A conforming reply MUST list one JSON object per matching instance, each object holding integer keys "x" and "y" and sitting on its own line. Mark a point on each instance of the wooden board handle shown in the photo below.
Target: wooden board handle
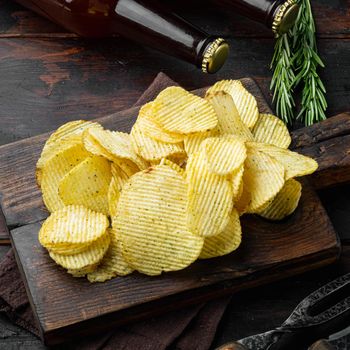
{"x": 328, "y": 143}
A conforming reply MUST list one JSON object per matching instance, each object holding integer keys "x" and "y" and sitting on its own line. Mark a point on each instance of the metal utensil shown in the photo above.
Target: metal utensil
{"x": 319, "y": 345}
{"x": 320, "y": 315}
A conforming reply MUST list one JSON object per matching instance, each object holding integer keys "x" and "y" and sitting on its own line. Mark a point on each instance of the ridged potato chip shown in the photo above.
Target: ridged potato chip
{"x": 172, "y": 165}
{"x": 294, "y": 163}
{"x": 210, "y": 198}
{"x": 243, "y": 203}
{"x": 72, "y": 229}
{"x": 113, "y": 197}
{"x": 224, "y": 155}
{"x": 86, "y": 260}
{"x": 55, "y": 169}
{"x": 119, "y": 175}
{"x": 151, "y": 149}
{"x": 225, "y": 242}
{"x": 263, "y": 178}
{"x": 192, "y": 142}
{"x": 87, "y": 184}
{"x": 237, "y": 183}
{"x": 119, "y": 178}
{"x": 180, "y": 160}
{"x": 70, "y": 132}
{"x": 272, "y": 130}
{"x": 151, "y": 221}
{"x": 69, "y": 129}
{"x": 245, "y": 102}
{"x": 229, "y": 121}
{"x": 285, "y": 202}
{"x": 51, "y": 152}
{"x": 82, "y": 272}
{"x": 128, "y": 167}
{"x": 177, "y": 110}
{"x": 113, "y": 263}
{"x": 151, "y": 129}
{"x": 115, "y": 146}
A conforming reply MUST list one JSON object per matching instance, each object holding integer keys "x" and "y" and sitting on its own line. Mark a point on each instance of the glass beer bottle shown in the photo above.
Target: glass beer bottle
{"x": 144, "y": 21}
{"x": 279, "y": 15}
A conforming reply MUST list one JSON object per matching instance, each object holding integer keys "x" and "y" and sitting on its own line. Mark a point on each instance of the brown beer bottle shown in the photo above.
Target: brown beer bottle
{"x": 279, "y": 15}
{"x": 144, "y": 21}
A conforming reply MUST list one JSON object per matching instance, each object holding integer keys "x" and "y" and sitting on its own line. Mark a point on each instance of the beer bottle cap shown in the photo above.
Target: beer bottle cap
{"x": 215, "y": 56}
{"x": 285, "y": 17}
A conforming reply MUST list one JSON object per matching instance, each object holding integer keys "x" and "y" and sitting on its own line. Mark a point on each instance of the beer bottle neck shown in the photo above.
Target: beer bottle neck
{"x": 279, "y": 15}
{"x": 149, "y": 23}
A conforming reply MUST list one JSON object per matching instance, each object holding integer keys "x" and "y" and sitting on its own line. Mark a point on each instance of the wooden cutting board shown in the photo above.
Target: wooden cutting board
{"x": 66, "y": 307}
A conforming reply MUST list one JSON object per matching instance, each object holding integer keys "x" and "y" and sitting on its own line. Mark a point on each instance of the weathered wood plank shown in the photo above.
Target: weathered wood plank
{"x": 4, "y": 232}
{"x": 335, "y": 170}
{"x": 319, "y": 132}
{"x": 331, "y": 138}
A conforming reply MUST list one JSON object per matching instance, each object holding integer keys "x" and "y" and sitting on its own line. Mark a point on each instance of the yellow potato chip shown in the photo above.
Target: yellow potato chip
{"x": 51, "y": 152}
{"x": 193, "y": 142}
{"x": 210, "y": 198}
{"x": 115, "y": 146}
{"x": 113, "y": 263}
{"x": 72, "y": 229}
{"x": 180, "y": 160}
{"x": 128, "y": 167}
{"x": 69, "y": 129}
{"x": 113, "y": 197}
{"x": 172, "y": 165}
{"x": 225, "y": 242}
{"x": 55, "y": 169}
{"x": 229, "y": 121}
{"x": 237, "y": 183}
{"x": 151, "y": 129}
{"x": 224, "y": 155}
{"x": 70, "y": 132}
{"x": 272, "y": 130}
{"x": 294, "y": 163}
{"x": 177, "y": 110}
{"x": 242, "y": 204}
{"x": 263, "y": 178}
{"x": 285, "y": 202}
{"x": 151, "y": 149}
{"x": 85, "y": 260}
{"x": 119, "y": 175}
{"x": 87, "y": 184}
{"x": 151, "y": 221}
{"x": 82, "y": 272}
{"x": 115, "y": 187}
{"x": 93, "y": 146}
{"x": 245, "y": 102}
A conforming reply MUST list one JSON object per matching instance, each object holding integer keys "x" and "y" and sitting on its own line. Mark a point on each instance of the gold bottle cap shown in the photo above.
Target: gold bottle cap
{"x": 215, "y": 56}
{"x": 285, "y": 17}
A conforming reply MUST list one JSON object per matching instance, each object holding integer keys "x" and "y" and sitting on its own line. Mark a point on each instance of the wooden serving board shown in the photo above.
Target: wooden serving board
{"x": 66, "y": 307}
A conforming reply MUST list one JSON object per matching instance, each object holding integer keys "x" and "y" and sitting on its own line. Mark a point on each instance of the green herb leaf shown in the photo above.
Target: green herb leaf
{"x": 295, "y": 63}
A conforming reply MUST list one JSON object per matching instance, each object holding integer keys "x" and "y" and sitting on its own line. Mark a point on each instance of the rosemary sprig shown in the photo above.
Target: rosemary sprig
{"x": 282, "y": 79}
{"x": 306, "y": 62}
{"x": 295, "y": 62}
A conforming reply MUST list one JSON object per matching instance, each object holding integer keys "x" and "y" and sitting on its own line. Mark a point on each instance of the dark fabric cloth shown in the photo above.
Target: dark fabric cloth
{"x": 191, "y": 328}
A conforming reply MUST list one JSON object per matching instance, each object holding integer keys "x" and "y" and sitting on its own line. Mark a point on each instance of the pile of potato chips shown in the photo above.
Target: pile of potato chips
{"x": 172, "y": 190}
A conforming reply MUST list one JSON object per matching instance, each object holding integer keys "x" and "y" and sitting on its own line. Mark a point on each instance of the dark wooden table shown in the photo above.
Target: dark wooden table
{"x": 49, "y": 76}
